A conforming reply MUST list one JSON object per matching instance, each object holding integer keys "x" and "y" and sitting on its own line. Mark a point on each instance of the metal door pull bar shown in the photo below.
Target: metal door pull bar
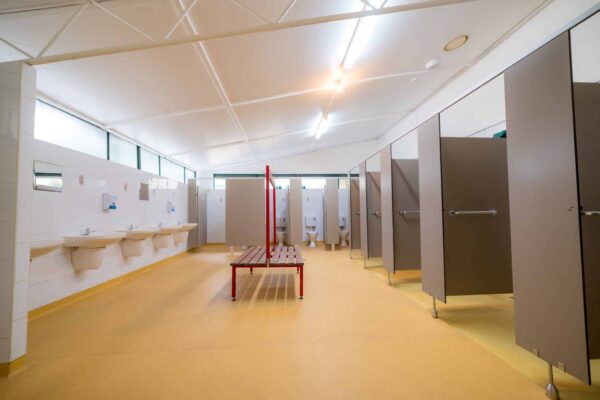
{"x": 482, "y": 212}
{"x": 376, "y": 213}
{"x": 404, "y": 212}
{"x": 591, "y": 213}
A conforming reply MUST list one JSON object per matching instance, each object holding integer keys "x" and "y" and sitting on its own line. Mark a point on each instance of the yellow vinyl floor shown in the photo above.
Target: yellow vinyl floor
{"x": 174, "y": 333}
{"x": 488, "y": 320}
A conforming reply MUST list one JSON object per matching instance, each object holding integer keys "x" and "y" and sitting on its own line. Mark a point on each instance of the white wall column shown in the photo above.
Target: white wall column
{"x": 17, "y": 112}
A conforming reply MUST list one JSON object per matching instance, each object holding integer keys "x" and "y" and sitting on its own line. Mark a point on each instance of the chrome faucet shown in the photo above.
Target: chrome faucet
{"x": 132, "y": 227}
{"x": 179, "y": 222}
{"x": 160, "y": 224}
{"x": 87, "y": 232}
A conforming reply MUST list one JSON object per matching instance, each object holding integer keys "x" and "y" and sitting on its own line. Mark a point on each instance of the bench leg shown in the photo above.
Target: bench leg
{"x": 251, "y": 270}
{"x": 301, "y": 282}
{"x": 233, "y": 283}
{"x": 297, "y": 270}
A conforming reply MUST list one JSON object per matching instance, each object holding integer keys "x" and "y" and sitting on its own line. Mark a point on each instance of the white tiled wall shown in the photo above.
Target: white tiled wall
{"x": 17, "y": 108}
{"x": 52, "y": 276}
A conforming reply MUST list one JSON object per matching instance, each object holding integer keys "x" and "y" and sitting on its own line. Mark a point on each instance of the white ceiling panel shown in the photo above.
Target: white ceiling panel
{"x": 182, "y": 133}
{"x": 212, "y": 17}
{"x": 153, "y": 17}
{"x": 289, "y": 114}
{"x": 32, "y": 30}
{"x": 384, "y": 97}
{"x": 271, "y": 10}
{"x": 281, "y": 145}
{"x": 273, "y": 63}
{"x": 95, "y": 28}
{"x": 303, "y": 9}
{"x": 7, "y": 53}
{"x": 131, "y": 85}
{"x": 337, "y": 135}
{"x": 419, "y": 36}
{"x": 218, "y": 156}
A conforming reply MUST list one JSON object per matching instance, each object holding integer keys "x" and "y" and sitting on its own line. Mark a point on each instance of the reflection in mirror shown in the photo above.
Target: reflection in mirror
{"x": 585, "y": 59}
{"x": 47, "y": 176}
{"x": 405, "y": 202}
{"x": 480, "y": 114}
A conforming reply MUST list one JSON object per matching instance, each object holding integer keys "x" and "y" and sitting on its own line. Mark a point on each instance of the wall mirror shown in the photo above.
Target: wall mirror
{"x": 47, "y": 176}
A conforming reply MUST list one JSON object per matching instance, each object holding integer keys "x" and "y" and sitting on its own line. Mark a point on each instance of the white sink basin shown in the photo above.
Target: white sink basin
{"x": 42, "y": 247}
{"x": 88, "y": 251}
{"x": 95, "y": 241}
{"x": 140, "y": 234}
{"x": 188, "y": 226}
{"x": 169, "y": 230}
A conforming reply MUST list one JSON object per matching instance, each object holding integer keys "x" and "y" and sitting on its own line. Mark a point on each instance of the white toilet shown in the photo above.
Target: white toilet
{"x": 310, "y": 223}
{"x": 344, "y": 233}
{"x": 281, "y": 230}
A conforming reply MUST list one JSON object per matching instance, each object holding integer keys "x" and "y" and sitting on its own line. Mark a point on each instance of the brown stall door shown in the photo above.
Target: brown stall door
{"x": 354, "y": 214}
{"x": 374, "y": 213}
{"x": 407, "y": 234}
{"x": 476, "y": 216}
{"x": 546, "y": 247}
{"x": 587, "y": 131}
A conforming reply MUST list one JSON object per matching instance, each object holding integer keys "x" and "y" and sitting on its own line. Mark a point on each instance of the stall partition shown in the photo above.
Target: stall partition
{"x": 354, "y": 213}
{"x": 295, "y": 222}
{"x": 332, "y": 226}
{"x": 244, "y": 212}
{"x": 553, "y": 105}
{"x": 373, "y": 209}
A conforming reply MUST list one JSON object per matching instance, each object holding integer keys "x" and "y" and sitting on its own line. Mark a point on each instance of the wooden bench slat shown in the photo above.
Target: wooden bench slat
{"x": 280, "y": 255}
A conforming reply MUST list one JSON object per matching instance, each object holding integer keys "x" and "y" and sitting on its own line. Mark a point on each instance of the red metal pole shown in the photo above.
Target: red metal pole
{"x": 233, "y": 283}
{"x": 267, "y": 195}
{"x": 274, "y": 217}
{"x": 302, "y": 281}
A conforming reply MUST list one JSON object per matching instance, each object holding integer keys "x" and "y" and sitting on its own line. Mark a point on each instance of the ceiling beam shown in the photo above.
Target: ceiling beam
{"x": 181, "y": 18}
{"x": 252, "y": 30}
{"x": 66, "y": 26}
{"x": 121, "y": 19}
{"x": 250, "y": 11}
{"x": 286, "y": 11}
{"x": 15, "y": 47}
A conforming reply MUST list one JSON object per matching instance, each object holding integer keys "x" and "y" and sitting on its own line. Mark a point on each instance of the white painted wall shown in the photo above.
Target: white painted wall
{"x": 312, "y": 205}
{"x": 52, "y": 276}
{"x": 215, "y": 218}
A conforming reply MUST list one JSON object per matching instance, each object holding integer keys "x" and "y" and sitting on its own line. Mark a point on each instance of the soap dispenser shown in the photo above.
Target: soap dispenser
{"x": 109, "y": 202}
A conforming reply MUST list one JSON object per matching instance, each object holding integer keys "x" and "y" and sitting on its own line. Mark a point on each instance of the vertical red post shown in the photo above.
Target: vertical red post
{"x": 233, "y": 283}
{"x": 267, "y": 196}
{"x": 301, "y": 281}
{"x": 274, "y": 214}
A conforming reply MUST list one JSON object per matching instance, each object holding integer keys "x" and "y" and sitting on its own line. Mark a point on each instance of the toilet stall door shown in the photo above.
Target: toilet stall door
{"x": 354, "y": 213}
{"x": 476, "y": 216}
{"x": 406, "y": 209}
{"x": 374, "y": 213}
{"x": 586, "y": 97}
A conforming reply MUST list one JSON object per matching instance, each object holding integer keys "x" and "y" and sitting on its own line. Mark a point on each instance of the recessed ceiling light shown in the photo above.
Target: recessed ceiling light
{"x": 339, "y": 85}
{"x": 323, "y": 124}
{"x": 456, "y": 42}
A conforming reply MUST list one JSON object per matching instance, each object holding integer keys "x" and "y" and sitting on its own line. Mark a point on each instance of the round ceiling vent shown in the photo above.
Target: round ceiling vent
{"x": 456, "y": 42}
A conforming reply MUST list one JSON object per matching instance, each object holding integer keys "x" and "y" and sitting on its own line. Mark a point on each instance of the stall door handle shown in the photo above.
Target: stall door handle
{"x": 405, "y": 212}
{"x": 479, "y": 212}
{"x": 376, "y": 213}
{"x": 591, "y": 213}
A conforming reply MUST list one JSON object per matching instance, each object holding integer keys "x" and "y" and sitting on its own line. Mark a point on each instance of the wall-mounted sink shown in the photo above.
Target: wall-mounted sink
{"x": 133, "y": 245}
{"x": 88, "y": 250}
{"x": 169, "y": 229}
{"x": 184, "y": 230}
{"x": 42, "y": 247}
{"x": 94, "y": 241}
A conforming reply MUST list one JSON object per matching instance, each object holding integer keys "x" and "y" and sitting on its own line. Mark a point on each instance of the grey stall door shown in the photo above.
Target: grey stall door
{"x": 476, "y": 246}
{"x": 374, "y": 213}
{"x": 587, "y": 131}
{"x": 546, "y": 248}
{"x": 432, "y": 225}
{"x": 407, "y": 233}
{"x": 354, "y": 214}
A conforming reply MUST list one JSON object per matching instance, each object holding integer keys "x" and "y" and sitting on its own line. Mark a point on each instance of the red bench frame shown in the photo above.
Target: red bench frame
{"x": 270, "y": 255}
